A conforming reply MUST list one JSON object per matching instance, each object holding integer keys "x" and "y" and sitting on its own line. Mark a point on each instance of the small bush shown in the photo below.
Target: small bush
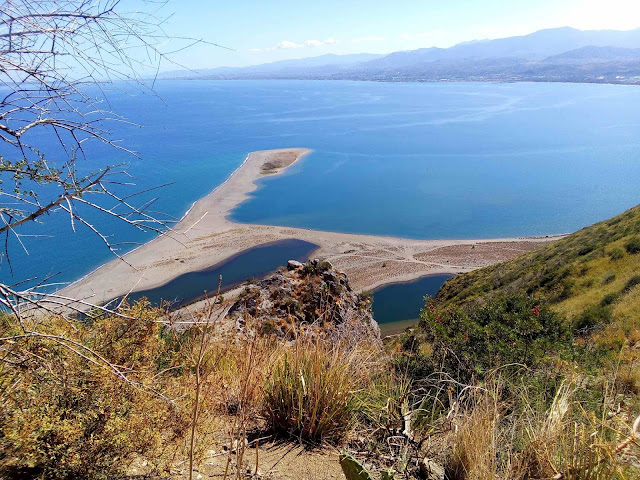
{"x": 267, "y": 327}
{"x": 365, "y": 296}
{"x": 311, "y": 393}
{"x": 608, "y": 278}
{"x": 316, "y": 267}
{"x": 633, "y": 281}
{"x": 506, "y": 330}
{"x": 633, "y": 245}
{"x": 69, "y": 418}
{"x": 585, "y": 250}
{"x": 566, "y": 289}
{"x": 593, "y": 317}
{"x": 616, "y": 254}
{"x": 324, "y": 265}
{"x": 609, "y": 298}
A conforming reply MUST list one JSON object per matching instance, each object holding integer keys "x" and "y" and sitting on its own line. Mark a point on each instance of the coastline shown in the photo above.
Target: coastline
{"x": 205, "y": 236}
{"x": 182, "y": 218}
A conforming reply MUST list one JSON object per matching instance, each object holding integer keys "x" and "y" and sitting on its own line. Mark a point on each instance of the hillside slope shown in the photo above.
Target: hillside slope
{"x": 593, "y": 272}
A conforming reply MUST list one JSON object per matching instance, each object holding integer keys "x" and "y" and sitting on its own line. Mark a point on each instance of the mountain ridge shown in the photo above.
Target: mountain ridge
{"x": 559, "y": 54}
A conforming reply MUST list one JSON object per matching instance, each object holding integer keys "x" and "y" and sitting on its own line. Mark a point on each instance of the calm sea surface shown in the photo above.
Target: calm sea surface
{"x": 412, "y": 160}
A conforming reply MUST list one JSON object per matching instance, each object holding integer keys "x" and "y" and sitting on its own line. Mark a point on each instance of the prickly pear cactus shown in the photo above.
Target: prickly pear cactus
{"x": 352, "y": 469}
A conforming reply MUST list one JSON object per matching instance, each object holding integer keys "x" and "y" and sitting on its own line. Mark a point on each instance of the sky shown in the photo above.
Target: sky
{"x": 261, "y": 31}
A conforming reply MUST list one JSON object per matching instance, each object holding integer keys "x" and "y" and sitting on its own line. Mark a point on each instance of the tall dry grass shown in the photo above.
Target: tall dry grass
{"x": 498, "y": 438}
{"x": 314, "y": 389}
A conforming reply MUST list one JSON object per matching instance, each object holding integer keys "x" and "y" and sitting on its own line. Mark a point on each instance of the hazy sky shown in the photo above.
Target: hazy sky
{"x": 263, "y": 31}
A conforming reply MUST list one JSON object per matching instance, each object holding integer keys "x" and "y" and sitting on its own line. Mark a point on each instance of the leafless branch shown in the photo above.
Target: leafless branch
{"x": 57, "y": 58}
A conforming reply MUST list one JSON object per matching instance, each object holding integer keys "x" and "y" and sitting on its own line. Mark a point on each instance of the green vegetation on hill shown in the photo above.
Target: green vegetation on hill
{"x": 555, "y": 331}
{"x": 587, "y": 283}
{"x": 590, "y": 277}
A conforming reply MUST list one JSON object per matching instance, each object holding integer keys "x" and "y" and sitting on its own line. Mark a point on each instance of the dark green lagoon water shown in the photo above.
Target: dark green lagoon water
{"x": 255, "y": 262}
{"x": 397, "y": 306}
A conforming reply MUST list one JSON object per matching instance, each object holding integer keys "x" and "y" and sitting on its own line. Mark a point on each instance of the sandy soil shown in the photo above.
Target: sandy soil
{"x": 205, "y": 237}
{"x": 276, "y": 461}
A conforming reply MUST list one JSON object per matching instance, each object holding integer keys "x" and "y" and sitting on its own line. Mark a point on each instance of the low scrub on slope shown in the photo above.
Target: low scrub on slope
{"x": 591, "y": 278}
{"x": 495, "y": 387}
{"x": 595, "y": 265}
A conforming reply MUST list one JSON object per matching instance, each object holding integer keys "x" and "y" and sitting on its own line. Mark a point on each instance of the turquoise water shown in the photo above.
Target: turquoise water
{"x": 255, "y": 262}
{"x": 412, "y": 160}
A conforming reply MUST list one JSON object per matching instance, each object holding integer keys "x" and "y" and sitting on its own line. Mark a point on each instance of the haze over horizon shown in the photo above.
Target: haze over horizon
{"x": 290, "y": 30}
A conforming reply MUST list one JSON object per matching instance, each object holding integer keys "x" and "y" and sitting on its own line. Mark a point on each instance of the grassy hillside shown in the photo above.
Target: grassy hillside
{"x": 590, "y": 277}
{"x": 565, "y": 317}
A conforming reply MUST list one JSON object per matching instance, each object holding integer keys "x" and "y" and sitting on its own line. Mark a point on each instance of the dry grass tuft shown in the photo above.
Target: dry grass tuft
{"x": 496, "y": 439}
{"x": 476, "y": 443}
{"x": 313, "y": 390}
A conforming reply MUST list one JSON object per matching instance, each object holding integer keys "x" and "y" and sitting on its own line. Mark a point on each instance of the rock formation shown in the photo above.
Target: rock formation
{"x": 311, "y": 298}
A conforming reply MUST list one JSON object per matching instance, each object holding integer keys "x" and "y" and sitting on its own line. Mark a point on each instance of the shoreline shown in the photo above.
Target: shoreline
{"x": 184, "y": 215}
{"x": 205, "y": 236}
{"x": 404, "y": 282}
{"x": 496, "y": 82}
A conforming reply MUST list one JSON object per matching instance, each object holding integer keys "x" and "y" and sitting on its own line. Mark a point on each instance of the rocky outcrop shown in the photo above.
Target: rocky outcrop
{"x": 311, "y": 298}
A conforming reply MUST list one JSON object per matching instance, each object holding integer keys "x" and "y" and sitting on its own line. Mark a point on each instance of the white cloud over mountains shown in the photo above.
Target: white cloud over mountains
{"x": 288, "y": 44}
{"x": 369, "y": 38}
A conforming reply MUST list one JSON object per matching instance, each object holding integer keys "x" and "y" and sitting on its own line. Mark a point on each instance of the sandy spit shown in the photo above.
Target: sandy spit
{"x": 205, "y": 237}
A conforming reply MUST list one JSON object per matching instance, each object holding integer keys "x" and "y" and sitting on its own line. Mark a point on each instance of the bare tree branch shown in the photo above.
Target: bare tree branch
{"x": 56, "y": 59}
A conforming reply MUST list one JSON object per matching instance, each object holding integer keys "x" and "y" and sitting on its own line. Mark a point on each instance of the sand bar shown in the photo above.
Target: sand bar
{"x": 205, "y": 237}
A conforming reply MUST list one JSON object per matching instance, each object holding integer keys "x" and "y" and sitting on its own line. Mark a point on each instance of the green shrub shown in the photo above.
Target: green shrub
{"x": 566, "y": 289}
{"x": 267, "y": 327}
{"x": 324, "y": 265}
{"x": 593, "y": 317}
{"x": 504, "y": 331}
{"x": 316, "y": 267}
{"x": 68, "y": 417}
{"x": 616, "y": 254}
{"x": 609, "y": 298}
{"x": 632, "y": 282}
{"x": 608, "y": 278}
{"x": 366, "y": 296}
{"x": 585, "y": 250}
{"x": 633, "y": 245}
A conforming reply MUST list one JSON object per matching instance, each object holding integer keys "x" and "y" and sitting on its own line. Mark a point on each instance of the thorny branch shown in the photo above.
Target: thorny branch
{"x": 58, "y": 61}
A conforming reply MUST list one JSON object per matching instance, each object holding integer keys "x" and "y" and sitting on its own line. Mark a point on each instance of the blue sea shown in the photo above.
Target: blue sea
{"x": 418, "y": 160}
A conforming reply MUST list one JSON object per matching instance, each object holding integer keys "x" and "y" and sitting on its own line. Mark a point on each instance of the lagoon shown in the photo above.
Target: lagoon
{"x": 398, "y": 305}
{"x": 255, "y": 262}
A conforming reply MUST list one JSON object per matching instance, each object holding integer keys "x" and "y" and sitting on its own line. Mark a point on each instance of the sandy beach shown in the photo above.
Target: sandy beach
{"x": 205, "y": 237}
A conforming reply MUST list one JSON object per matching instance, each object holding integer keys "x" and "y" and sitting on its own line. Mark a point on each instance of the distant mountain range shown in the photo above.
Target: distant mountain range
{"x": 553, "y": 55}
